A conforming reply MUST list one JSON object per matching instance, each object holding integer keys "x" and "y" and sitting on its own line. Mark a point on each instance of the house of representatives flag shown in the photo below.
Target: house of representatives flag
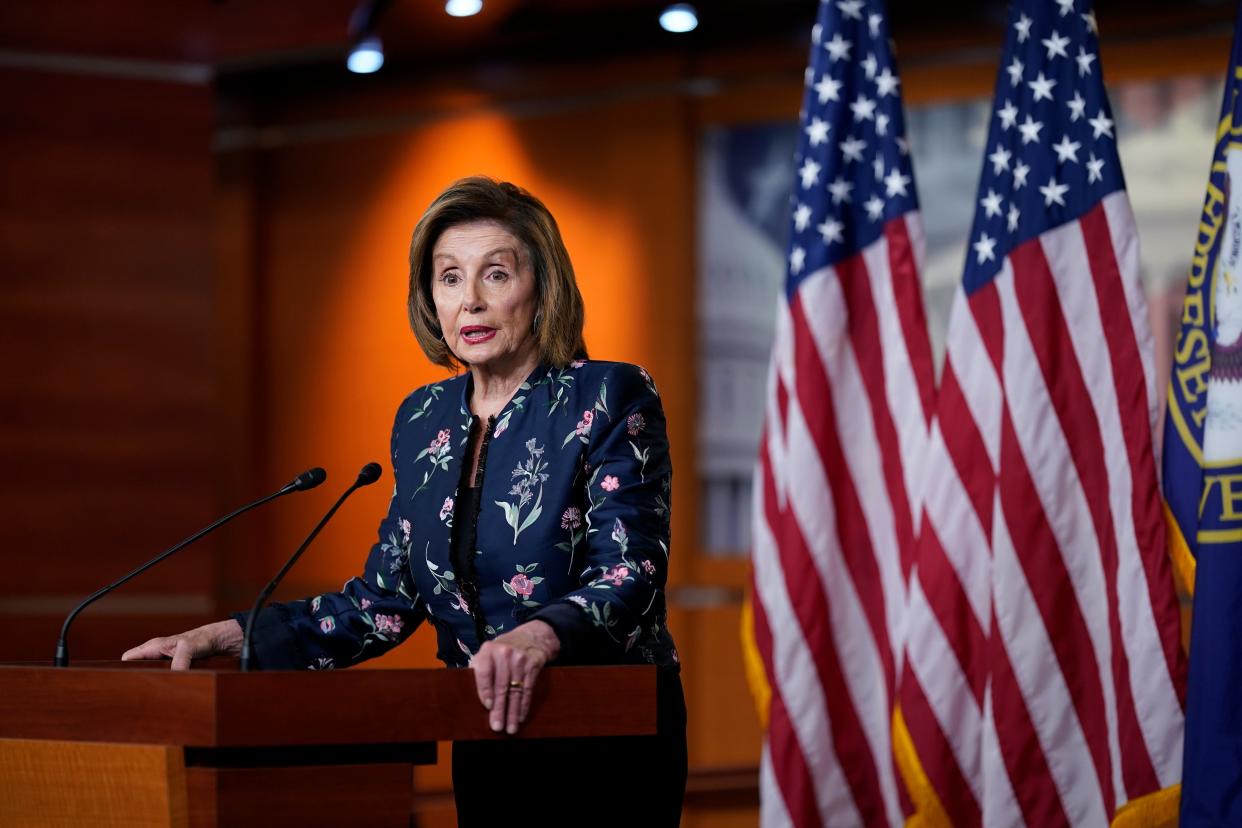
{"x": 849, "y": 398}
{"x": 1043, "y": 676}
{"x": 1203, "y": 479}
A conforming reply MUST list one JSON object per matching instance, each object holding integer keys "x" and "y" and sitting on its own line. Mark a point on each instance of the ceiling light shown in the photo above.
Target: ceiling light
{"x": 463, "y": 8}
{"x": 367, "y": 56}
{"x": 679, "y": 18}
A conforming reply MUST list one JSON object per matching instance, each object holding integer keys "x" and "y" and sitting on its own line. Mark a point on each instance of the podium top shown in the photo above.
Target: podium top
{"x": 222, "y": 707}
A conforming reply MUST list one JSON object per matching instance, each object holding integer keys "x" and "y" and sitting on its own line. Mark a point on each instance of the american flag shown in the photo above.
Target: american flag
{"x": 850, "y": 394}
{"x": 1043, "y": 674}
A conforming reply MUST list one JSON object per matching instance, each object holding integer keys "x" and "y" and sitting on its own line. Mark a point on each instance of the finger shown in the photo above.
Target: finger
{"x": 182, "y": 655}
{"x": 153, "y": 649}
{"x": 500, "y": 689}
{"x": 519, "y": 668}
{"x": 481, "y": 663}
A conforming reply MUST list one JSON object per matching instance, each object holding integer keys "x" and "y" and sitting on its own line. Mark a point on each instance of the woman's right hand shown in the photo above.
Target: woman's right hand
{"x": 220, "y": 638}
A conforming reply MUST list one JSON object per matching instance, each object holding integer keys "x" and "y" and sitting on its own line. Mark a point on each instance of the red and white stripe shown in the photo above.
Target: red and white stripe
{"x": 836, "y": 510}
{"x": 1042, "y": 669}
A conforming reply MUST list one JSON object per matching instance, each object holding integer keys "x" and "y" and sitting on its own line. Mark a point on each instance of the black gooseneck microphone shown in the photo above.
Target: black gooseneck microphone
{"x": 306, "y": 480}
{"x": 369, "y": 474}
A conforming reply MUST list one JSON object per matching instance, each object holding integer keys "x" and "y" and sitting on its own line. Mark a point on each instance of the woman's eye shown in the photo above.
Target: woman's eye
{"x": 449, "y": 278}
{"x": 498, "y": 275}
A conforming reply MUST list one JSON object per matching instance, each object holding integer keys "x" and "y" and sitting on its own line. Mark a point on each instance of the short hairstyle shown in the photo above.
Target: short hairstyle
{"x": 558, "y": 302}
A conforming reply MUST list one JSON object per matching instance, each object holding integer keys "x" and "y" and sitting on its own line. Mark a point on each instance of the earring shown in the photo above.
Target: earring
{"x": 534, "y": 327}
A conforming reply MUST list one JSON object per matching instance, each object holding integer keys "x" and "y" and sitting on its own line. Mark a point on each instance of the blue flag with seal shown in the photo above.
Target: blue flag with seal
{"x": 1203, "y": 479}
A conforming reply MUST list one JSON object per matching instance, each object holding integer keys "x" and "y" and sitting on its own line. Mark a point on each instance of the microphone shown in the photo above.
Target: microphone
{"x": 369, "y": 474}
{"x": 306, "y": 480}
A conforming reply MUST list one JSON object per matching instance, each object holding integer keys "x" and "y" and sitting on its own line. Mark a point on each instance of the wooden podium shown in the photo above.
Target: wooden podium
{"x": 113, "y": 744}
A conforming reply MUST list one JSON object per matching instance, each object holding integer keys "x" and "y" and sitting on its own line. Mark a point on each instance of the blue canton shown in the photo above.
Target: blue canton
{"x": 853, "y": 161}
{"x": 1051, "y": 149}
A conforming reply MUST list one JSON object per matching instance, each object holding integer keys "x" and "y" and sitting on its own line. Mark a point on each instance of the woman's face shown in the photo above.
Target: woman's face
{"x": 483, "y": 286}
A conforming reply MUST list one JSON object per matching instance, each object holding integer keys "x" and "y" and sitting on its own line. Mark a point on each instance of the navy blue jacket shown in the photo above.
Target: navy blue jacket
{"x": 573, "y": 529}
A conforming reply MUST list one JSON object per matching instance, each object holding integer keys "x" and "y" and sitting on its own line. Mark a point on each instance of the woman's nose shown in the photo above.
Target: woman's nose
{"x": 472, "y": 297}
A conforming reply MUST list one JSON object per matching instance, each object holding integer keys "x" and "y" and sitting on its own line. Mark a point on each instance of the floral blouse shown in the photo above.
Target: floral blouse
{"x": 572, "y": 529}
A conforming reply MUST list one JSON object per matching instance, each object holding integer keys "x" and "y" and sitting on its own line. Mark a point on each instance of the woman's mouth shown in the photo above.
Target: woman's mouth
{"x": 474, "y": 334}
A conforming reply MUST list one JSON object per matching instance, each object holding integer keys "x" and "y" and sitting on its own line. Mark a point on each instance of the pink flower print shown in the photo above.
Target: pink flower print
{"x": 388, "y": 623}
{"x": 577, "y": 363}
{"x": 315, "y": 603}
{"x": 648, "y": 567}
{"x": 447, "y": 509}
{"x": 441, "y": 440}
{"x": 572, "y": 518}
{"x": 634, "y": 424}
{"x": 522, "y": 585}
{"x": 584, "y": 425}
{"x": 610, "y": 484}
{"x": 405, "y": 530}
{"x": 617, "y": 575}
{"x": 366, "y": 602}
{"x": 462, "y": 605}
{"x": 327, "y": 625}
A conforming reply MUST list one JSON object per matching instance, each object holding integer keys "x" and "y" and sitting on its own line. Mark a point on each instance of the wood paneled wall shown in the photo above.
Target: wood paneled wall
{"x": 108, "y": 381}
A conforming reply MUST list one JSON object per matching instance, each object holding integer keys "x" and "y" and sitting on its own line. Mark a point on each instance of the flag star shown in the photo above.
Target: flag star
{"x": 1042, "y": 87}
{"x": 873, "y": 23}
{"x": 1008, "y": 115}
{"x": 817, "y": 32}
{"x": 1023, "y": 27}
{"x": 877, "y": 166}
{"x": 1066, "y": 149}
{"x": 869, "y": 65}
{"x": 881, "y": 124}
{"x": 895, "y": 183}
{"x": 1089, "y": 19}
{"x": 802, "y": 217}
{"x": 852, "y": 148}
{"x": 797, "y": 258}
{"x": 984, "y": 249}
{"x": 838, "y": 48}
{"x": 828, "y": 89}
{"x": 1101, "y": 125}
{"x": 1077, "y": 107}
{"x": 1013, "y": 217}
{"x": 817, "y": 131}
{"x": 886, "y": 83}
{"x": 1000, "y": 159}
{"x": 1067, "y": 6}
{"x": 830, "y": 230}
{"x": 1054, "y": 192}
{"x": 1055, "y": 45}
{"x": 809, "y": 172}
{"x": 1095, "y": 168}
{"x": 1085, "y": 59}
{"x": 874, "y": 207}
{"x": 1015, "y": 72}
{"x": 863, "y": 108}
{"x": 991, "y": 203}
{"x": 903, "y": 145}
{"x": 840, "y": 190}
{"x": 1030, "y": 130}
{"x": 1020, "y": 171}
{"x": 851, "y": 8}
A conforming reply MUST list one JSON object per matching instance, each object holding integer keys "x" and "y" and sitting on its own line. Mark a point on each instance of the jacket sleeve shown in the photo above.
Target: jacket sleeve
{"x": 628, "y": 485}
{"x": 370, "y": 615}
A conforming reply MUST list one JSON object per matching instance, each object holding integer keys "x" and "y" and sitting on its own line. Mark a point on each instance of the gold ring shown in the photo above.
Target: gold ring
{"x": 515, "y": 685}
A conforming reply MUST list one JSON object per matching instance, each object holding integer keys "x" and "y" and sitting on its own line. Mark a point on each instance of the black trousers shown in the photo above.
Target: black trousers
{"x": 605, "y": 781}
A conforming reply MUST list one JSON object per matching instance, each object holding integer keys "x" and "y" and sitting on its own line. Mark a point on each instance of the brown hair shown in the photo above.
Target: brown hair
{"x": 558, "y": 303}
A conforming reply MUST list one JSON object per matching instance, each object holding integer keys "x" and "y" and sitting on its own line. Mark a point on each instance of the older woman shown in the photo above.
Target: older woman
{"x": 529, "y": 523}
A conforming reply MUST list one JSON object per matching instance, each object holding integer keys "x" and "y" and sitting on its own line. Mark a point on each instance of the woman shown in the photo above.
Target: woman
{"x": 529, "y": 523}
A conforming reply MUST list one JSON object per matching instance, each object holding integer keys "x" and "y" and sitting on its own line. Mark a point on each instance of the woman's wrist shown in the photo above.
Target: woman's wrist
{"x": 544, "y": 637}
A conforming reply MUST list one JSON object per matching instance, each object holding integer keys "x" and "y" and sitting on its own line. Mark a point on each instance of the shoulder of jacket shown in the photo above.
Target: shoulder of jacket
{"x": 430, "y": 398}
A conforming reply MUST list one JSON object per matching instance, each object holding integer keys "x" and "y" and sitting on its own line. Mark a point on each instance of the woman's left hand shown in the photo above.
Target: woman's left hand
{"x": 505, "y": 670}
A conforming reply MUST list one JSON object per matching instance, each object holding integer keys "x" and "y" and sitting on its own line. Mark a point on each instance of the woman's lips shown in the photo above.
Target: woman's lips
{"x": 474, "y": 334}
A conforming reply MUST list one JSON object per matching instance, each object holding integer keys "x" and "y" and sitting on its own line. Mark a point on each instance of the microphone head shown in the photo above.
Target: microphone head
{"x": 369, "y": 474}
{"x": 309, "y": 479}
